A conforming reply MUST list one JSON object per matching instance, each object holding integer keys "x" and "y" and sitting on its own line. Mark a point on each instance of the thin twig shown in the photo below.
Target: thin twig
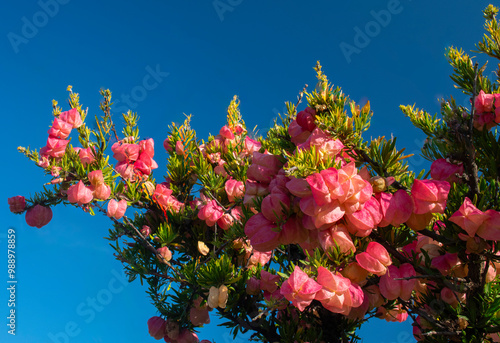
{"x": 148, "y": 245}
{"x": 144, "y": 242}
{"x": 150, "y": 272}
{"x": 442, "y": 333}
{"x": 431, "y": 277}
{"x": 432, "y": 234}
{"x": 421, "y": 312}
{"x": 269, "y": 335}
{"x": 301, "y": 94}
{"x": 470, "y": 153}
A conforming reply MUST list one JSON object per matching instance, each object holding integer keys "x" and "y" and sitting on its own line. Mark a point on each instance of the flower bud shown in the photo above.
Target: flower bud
{"x": 38, "y": 216}
{"x": 391, "y": 288}
{"x": 202, "y": 248}
{"x": 167, "y": 146}
{"x": 293, "y": 232}
{"x": 146, "y": 231}
{"x": 264, "y": 167}
{"x": 96, "y": 178}
{"x": 17, "y": 204}
{"x": 79, "y": 194}
{"x": 102, "y": 192}
{"x": 225, "y": 221}
{"x": 297, "y": 133}
{"x": 179, "y": 148}
{"x": 164, "y": 254}
{"x": 210, "y": 213}
{"x": 268, "y": 281}
{"x": 336, "y": 236}
{"x": 306, "y": 119}
{"x": 376, "y": 259}
{"x": 226, "y": 132}
{"x": 475, "y": 245}
{"x": 86, "y": 156}
{"x": 186, "y": 336}
{"x": 116, "y": 209}
{"x": 235, "y": 189}
{"x": 355, "y": 272}
{"x": 275, "y": 206}
{"x": 156, "y": 327}
{"x": 299, "y": 187}
{"x": 419, "y": 222}
{"x": 60, "y": 129}
{"x": 55, "y": 147}
{"x": 253, "y": 286}
{"x": 198, "y": 315}
{"x": 251, "y": 145}
{"x": 451, "y": 297}
{"x": 72, "y": 117}
{"x": 263, "y": 234}
{"x": 223, "y": 295}
{"x": 213, "y": 297}
{"x": 172, "y": 329}
{"x": 429, "y": 196}
{"x": 378, "y": 183}
{"x": 443, "y": 170}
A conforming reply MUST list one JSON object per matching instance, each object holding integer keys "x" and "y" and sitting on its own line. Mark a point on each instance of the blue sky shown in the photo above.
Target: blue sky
{"x": 173, "y": 57}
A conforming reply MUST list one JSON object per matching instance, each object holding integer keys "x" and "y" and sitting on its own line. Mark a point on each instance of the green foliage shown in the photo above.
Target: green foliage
{"x": 490, "y": 44}
{"x": 424, "y": 121}
{"x": 278, "y": 140}
{"x": 464, "y": 73}
{"x": 217, "y": 272}
{"x": 488, "y": 154}
{"x": 131, "y": 130}
{"x": 166, "y": 233}
{"x": 388, "y": 160}
{"x": 233, "y": 114}
{"x": 306, "y": 162}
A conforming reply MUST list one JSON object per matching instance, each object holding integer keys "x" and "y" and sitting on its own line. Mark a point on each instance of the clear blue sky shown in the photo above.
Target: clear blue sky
{"x": 198, "y": 58}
